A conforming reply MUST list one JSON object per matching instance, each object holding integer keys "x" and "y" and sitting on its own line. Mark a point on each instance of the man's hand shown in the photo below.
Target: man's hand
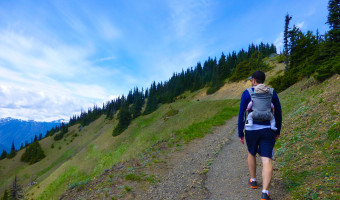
{"x": 242, "y": 140}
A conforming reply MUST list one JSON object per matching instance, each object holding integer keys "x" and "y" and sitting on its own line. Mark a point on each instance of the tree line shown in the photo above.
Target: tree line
{"x": 211, "y": 74}
{"x": 311, "y": 53}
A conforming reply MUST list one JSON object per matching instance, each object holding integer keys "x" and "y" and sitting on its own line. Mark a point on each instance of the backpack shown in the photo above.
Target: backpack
{"x": 261, "y": 105}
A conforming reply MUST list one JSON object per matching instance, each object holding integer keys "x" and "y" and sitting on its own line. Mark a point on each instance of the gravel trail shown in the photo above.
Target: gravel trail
{"x": 228, "y": 175}
{"x": 213, "y": 167}
{"x": 188, "y": 167}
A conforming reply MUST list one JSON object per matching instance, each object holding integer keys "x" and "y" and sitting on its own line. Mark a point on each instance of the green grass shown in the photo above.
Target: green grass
{"x": 133, "y": 177}
{"x": 65, "y": 156}
{"x": 44, "y": 171}
{"x": 334, "y": 132}
{"x": 188, "y": 120}
{"x": 60, "y": 184}
{"x": 307, "y": 152}
{"x": 198, "y": 130}
{"x": 79, "y": 184}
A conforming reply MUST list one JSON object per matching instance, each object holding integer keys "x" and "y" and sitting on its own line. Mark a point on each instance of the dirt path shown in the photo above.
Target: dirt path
{"x": 187, "y": 168}
{"x": 213, "y": 167}
{"x": 228, "y": 175}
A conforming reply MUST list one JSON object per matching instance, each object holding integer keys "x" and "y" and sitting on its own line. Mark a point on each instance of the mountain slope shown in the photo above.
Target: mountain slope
{"x": 308, "y": 152}
{"x": 78, "y": 161}
{"x": 306, "y": 158}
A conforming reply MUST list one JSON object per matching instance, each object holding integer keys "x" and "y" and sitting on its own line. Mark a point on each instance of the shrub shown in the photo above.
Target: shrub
{"x": 280, "y": 58}
{"x": 213, "y": 89}
{"x": 334, "y": 132}
{"x": 133, "y": 177}
{"x": 328, "y": 68}
{"x": 170, "y": 113}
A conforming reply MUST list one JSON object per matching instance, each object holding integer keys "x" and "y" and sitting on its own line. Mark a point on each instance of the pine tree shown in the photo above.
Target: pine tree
{"x": 124, "y": 120}
{"x": 285, "y": 39}
{"x": 152, "y": 104}
{"x": 16, "y": 190}
{"x": 40, "y": 136}
{"x": 13, "y": 152}
{"x": 34, "y": 153}
{"x": 3, "y": 155}
{"x": 334, "y": 20}
{"x": 137, "y": 103}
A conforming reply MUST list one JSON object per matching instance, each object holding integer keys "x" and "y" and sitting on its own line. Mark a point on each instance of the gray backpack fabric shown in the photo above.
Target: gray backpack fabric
{"x": 261, "y": 105}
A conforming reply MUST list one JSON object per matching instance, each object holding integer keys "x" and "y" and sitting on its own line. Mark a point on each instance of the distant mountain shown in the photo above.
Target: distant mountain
{"x": 20, "y": 130}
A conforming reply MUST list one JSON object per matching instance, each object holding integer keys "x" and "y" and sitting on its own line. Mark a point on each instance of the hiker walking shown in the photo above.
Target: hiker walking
{"x": 260, "y": 135}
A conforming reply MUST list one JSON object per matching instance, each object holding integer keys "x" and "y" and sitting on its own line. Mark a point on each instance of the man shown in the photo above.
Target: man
{"x": 259, "y": 137}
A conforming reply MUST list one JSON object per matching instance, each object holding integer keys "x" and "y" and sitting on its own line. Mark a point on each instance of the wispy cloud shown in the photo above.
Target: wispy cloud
{"x": 37, "y": 78}
{"x": 108, "y": 58}
{"x": 300, "y": 25}
{"x": 187, "y": 17}
{"x": 279, "y": 43}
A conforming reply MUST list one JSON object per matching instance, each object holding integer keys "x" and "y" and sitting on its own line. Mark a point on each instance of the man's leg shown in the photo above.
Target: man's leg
{"x": 252, "y": 165}
{"x": 267, "y": 172}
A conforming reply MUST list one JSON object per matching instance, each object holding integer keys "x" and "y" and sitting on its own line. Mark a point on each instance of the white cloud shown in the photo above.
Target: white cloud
{"x": 44, "y": 82}
{"x": 25, "y": 103}
{"x": 279, "y": 43}
{"x": 45, "y": 102}
{"x": 300, "y": 25}
{"x": 28, "y": 54}
{"x": 108, "y": 58}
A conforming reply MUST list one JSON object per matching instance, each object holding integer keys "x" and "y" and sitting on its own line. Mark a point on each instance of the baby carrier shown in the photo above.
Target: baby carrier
{"x": 261, "y": 105}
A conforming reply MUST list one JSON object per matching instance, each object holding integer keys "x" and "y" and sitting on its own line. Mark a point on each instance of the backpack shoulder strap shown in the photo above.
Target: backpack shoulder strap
{"x": 250, "y": 90}
{"x": 271, "y": 91}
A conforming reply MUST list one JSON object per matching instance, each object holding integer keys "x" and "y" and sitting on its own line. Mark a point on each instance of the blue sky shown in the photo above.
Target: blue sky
{"x": 58, "y": 57}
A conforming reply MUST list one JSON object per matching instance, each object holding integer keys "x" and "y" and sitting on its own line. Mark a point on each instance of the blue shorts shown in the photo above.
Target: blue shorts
{"x": 261, "y": 141}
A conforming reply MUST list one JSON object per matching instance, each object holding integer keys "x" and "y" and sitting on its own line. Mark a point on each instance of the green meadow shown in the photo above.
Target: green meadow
{"x": 86, "y": 152}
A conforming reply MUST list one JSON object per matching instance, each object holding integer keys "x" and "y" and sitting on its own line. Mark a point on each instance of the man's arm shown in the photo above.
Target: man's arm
{"x": 245, "y": 99}
{"x": 277, "y": 113}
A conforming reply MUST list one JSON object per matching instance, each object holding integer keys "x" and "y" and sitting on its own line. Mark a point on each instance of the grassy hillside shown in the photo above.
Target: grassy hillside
{"x": 105, "y": 151}
{"x": 57, "y": 152}
{"x": 86, "y": 153}
{"x": 308, "y": 151}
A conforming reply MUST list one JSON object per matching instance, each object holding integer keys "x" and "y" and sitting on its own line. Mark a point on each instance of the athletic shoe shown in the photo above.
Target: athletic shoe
{"x": 253, "y": 184}
{"x": 265, "y": 196}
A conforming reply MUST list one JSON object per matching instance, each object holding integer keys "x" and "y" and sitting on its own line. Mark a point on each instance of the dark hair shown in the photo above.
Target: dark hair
{"x": 259, "y": 76}
{"x": 258, "y": 81}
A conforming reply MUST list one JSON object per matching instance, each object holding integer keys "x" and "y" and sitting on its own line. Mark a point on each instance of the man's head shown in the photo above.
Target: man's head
{"x": 257, "y": 77}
